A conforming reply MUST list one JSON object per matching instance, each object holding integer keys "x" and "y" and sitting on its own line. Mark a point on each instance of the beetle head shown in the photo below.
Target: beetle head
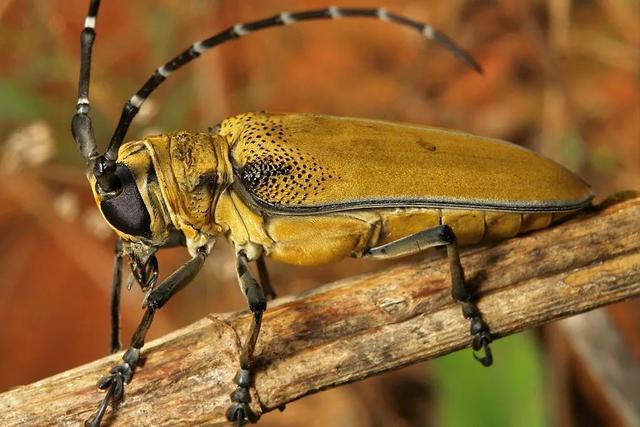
{"x": 135, "y": 210}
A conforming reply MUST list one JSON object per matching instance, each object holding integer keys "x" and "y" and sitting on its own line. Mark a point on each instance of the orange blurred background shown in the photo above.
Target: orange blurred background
{"x": 560, "y": 77}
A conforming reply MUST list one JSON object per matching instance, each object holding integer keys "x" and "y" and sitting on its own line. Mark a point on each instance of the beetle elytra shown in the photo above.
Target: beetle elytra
{"x": 303, "y": 189}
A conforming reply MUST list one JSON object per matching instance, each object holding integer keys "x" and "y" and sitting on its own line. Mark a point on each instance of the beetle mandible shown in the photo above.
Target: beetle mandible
{"x": 290, "y": 186}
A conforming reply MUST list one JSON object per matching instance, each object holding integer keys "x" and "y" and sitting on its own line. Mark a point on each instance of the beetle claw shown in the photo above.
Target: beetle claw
{"x": 241, "y": 414}
{"x": 239, "y": 411}
{"x": 480, "y": 332}
{"x": 114, "y": 384}
{"x": 483, "y": 353}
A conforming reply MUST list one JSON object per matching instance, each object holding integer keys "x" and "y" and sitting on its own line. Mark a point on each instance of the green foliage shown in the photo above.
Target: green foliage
{"x": 510, "y": 393}
{"x": 19, "y": 103}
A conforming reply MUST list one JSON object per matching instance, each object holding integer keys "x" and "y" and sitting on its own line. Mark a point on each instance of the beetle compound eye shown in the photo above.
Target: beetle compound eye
{"x": 126, "y": 211}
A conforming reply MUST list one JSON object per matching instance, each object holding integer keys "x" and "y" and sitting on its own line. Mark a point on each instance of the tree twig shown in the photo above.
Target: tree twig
{"x": 356, "y": 328}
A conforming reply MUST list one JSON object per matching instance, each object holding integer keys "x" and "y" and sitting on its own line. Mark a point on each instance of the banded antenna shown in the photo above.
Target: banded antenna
{"x": 103, "y": 166}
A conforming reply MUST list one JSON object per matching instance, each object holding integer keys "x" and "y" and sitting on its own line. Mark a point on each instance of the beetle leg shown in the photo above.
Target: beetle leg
{"x": 239, "y": 410}
{"x": 443, "y": 235}
{"x": 121, "y": 374}
{"x": 116, "y": 287}
{"x": 263, "y": 274}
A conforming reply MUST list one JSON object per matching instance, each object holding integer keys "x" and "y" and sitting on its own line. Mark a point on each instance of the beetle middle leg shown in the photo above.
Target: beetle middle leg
{"x": 239, "y": 410}
{"x": 264, "y": 279}
{"x": 443, "y": 235}
{"x": 121, "y": 374}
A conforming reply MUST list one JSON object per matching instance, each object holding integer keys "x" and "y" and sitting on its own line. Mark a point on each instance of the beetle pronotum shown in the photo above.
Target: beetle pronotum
{"x": 280, "y": 185}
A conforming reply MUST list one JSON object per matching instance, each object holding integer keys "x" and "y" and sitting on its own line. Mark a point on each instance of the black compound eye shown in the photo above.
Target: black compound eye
{"x": 126, "y": 211}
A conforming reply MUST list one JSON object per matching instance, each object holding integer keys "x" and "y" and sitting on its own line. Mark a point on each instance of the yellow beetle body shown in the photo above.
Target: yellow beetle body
{"x": 308, "y": 189}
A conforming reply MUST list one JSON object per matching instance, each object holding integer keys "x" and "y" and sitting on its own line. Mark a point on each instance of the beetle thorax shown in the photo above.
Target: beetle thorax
{"x": 192, "y": 170}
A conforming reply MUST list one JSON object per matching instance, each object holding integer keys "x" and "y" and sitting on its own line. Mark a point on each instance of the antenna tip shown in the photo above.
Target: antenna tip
{"x": 477, "y": 67}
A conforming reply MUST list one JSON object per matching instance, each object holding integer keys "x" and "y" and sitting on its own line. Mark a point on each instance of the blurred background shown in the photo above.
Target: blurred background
{"x": 561, "y": 77}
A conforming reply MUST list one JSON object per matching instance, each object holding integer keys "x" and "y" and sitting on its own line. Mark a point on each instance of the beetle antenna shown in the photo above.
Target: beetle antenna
{"x": 132, "y": 106}
{"x": 81, "y": 127}
{"x": 103, "y": 168}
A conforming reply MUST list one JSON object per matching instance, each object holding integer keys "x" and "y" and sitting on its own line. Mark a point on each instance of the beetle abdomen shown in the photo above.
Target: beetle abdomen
{"x": 319, "y": 239}
{"x": 297, "y": 163}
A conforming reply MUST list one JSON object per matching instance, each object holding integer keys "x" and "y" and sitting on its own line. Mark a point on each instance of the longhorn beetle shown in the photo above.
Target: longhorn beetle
{"x": 303, "y": 189}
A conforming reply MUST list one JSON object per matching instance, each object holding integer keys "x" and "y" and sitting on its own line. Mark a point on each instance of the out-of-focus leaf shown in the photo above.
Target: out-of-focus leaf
{"x": 509, "y": 393}
{"x": 19, "y": 103}
{"x": 573, "y": 155}
{"x": 604, "y": 160}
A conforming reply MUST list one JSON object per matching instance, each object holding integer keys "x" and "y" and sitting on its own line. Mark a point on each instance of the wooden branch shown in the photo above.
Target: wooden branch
{"x": 356, "y": 328}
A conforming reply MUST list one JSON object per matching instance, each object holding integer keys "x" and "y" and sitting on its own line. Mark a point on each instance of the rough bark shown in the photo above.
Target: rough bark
{"x": 356, "y": 328}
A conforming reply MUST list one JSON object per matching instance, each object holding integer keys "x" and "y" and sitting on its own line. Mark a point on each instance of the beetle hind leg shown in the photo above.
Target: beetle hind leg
{"x": 443, "y": 235}
{"x": 240, "y": 411}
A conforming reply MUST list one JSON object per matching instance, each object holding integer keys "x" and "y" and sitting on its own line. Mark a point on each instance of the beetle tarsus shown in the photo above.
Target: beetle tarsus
{"x": 114, "y": 384}
{"x": 480, "y": 332}
{"x": 239, "y": 410}
{"x": 115, "y": 392}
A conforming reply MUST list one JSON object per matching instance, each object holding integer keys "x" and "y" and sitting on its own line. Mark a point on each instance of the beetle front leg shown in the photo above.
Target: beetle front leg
{"x": 116, "y": 287}
{"x": 239, "y": 410}
{"x": 443, "y": 235}
{"x": 121, "y": 374}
